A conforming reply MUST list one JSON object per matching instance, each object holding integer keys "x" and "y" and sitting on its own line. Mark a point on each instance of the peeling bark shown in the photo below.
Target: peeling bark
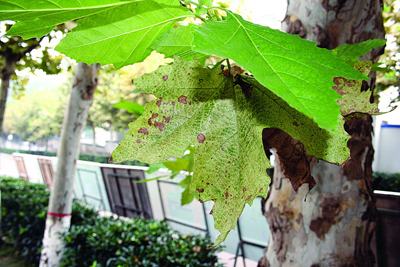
{"x": 60, "y": 205}
{"x": 331, "y": 225}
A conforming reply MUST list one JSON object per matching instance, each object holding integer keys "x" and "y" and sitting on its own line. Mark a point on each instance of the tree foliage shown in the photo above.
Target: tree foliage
{"x": 390, "y": 74}
{"x": 286, "y": 84}
{"x": 36, "y": 116}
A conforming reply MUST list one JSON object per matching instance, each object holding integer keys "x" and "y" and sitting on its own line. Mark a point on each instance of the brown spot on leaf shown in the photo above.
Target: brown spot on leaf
{"x": 200, "y": 200}
{"x": 189, "y": 73}
{"x": 229, "y": 161}
{"x": 182, "y": 99}
{"x": 173, "y": 103}
{"x": 223, "y": 149}
{"x": 261, "y": 189}
{"x": 165, "y": 77}
{"x": 190, "y": 102}
{"x": 211, "y": 212}
{"x": 248, "y": 197}
{"x": 154, "y": 115}
{"x": 201, "y": 138}
{"x": 159, "y": 125}
{"x": 200, "y": 190}
{"x": 158, "y": 103}
{"x": 244, "y": 189}
{"x": 226, "y": 194}
{"x": 150, "y": 122}
{"x": 295, "y": 123}
{"x": 166, "y": 119}
{"x": 292, "y": 155}
{"x": 143, "y": 131}
{"x": 138, "y": 141}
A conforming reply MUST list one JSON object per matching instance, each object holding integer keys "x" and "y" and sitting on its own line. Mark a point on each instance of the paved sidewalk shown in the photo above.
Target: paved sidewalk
{"x": 228, "y": 260}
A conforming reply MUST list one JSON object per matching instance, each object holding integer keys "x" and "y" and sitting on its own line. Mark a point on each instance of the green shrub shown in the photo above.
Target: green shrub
{"x": 386, "y": 181}
{"x": 24, "y": 207}
{"x": 113, "y": 242}
{"x": 86, "y": 157}
{"x": 91, "y": 238}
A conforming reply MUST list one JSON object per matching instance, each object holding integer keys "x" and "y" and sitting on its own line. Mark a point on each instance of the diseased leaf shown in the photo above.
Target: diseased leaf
{"x": 224, "y": 121}
{"x": 294, "y": 69}
{"x": 37, "y": 18}
{"x": 352, "y": 52}
{"x": 178, "y": 42}
{"x": 123, "y": 35}
{"x": 353, "y": 100}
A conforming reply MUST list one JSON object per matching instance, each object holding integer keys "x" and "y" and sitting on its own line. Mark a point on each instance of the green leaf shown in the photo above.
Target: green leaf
{"x": 36, "y": 19}
{"x": 177, "y": 165}
{"x": 353, "y": 100}
{"x": 155, "y": 167}
{"x": 206, "y": 2}
{"x": 294, "y": 69}
{"x": 352, "y": 52}
{"x": 187, "y": 197}
{"x": 224, "y": 122}
{"x": 178, "y": 42}
{"x": 123, "y": 35}
{"x": 131, "y": 107}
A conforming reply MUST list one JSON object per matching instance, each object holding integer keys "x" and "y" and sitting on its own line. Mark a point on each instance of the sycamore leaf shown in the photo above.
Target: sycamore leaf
{"x": 224, "y": 121}
{"x": 178, "y": 42}
{"x": 294, "y": 69}
{"x": 206, "y": 2}
{"x": 37, "y": 18}
{"x": 122, "y": 35}
{"x": 131, "y": 107}
{"x": 179, "y": 164}
{"x": 353, "y": 100}
{"x": 352, "y": 52}
{"x": 187, "y": 196}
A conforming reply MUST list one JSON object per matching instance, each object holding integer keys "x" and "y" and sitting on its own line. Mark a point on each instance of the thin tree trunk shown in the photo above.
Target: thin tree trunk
{"x": 94, "y": 140}
{"x": 332, "y": 225}
{"x": 6, "y": 73}
{"x": 60, "y": 205}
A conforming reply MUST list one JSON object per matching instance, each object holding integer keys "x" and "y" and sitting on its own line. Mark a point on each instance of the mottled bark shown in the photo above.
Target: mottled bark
{"x": 60, "y": 205}
{"x": 331, "y": 225}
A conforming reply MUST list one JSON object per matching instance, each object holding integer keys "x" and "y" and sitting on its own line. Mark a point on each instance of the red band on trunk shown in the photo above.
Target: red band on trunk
{"x": 59, "y": 214}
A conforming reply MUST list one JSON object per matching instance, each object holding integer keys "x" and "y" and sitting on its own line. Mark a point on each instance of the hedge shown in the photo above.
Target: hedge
{"x": 87, "y": 157}
{"x": 386, "y": 181}
{"x": 93, "y": 240}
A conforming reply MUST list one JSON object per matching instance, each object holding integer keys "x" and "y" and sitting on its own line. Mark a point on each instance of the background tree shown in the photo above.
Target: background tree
{"x": 37, "y": 115}
{"x": 391, "y": 59}
{"x": 16, "y": 54}
{"x": 331, "y": 225}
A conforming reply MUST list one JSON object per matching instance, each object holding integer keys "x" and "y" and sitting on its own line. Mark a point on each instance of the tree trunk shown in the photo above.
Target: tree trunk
{"x": 60, "y": 205}
{"x": 6, "y": 73}
{"x": 332, "y": 225}
{"x": 94, "y": 140}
